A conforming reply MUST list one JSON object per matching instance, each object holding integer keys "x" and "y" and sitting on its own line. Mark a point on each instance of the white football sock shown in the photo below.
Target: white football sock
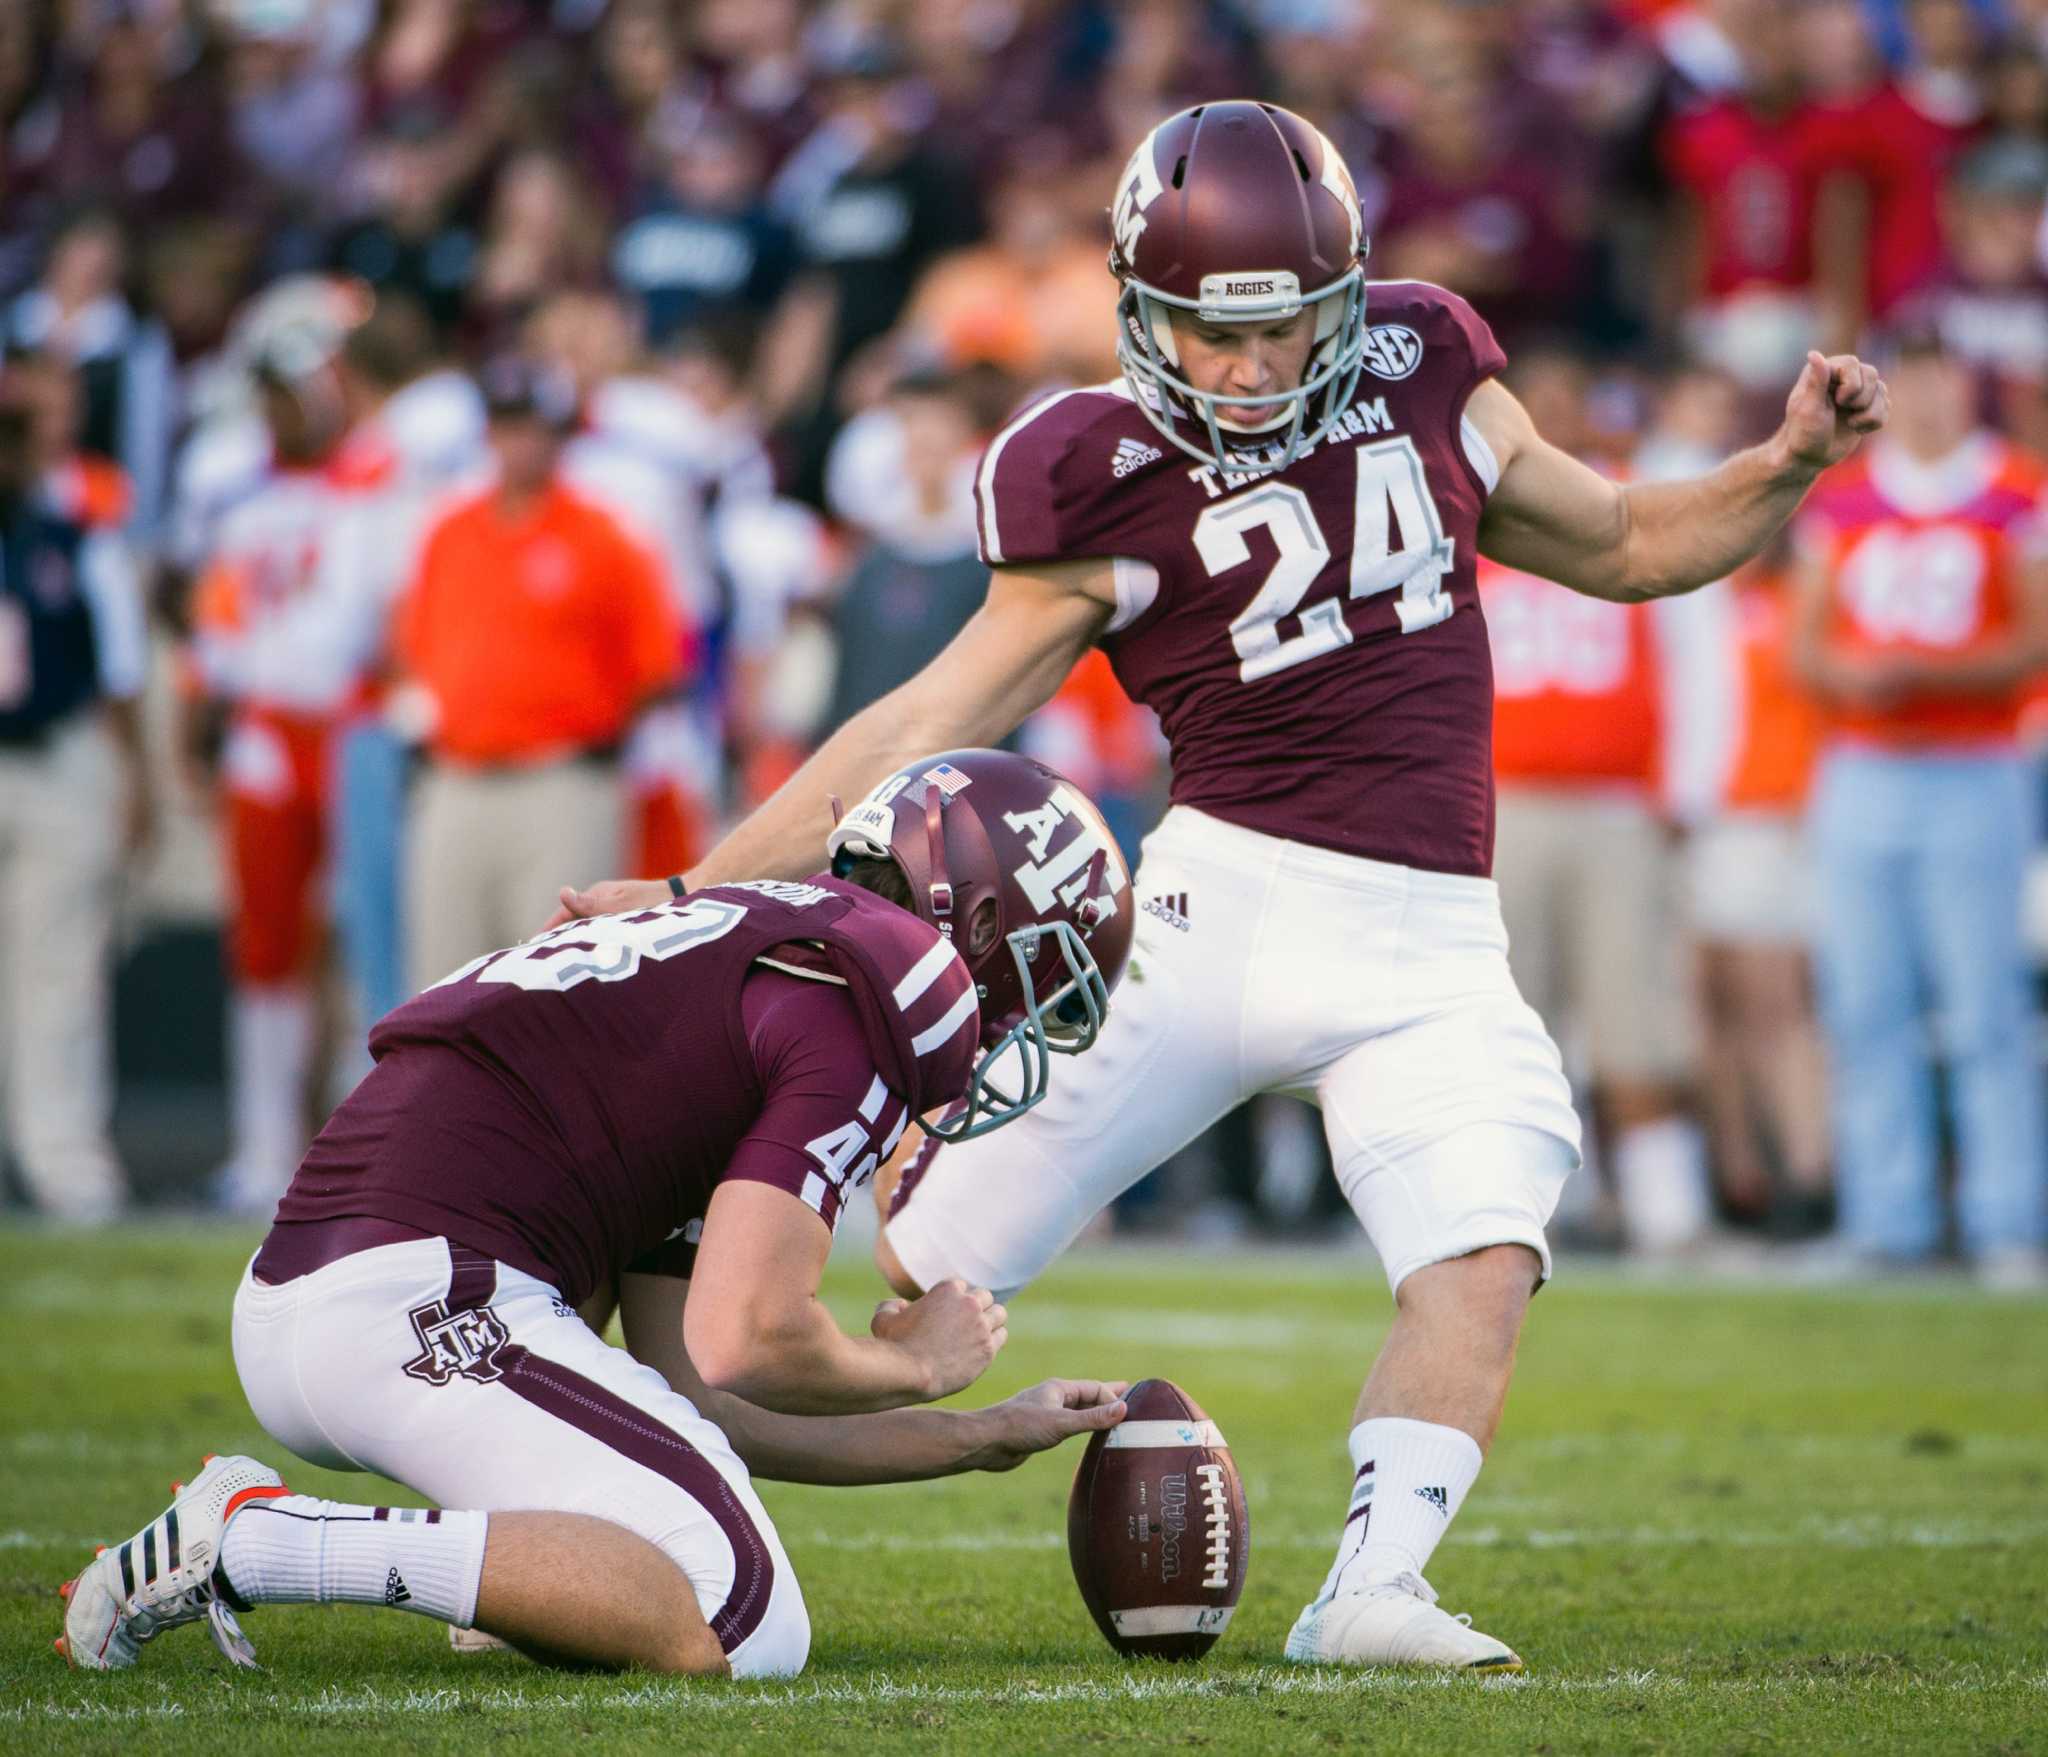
{"x": 1660, "y": 1179}
{"x": 296, "y": 1549}
{"x": 1412, "y": 1478}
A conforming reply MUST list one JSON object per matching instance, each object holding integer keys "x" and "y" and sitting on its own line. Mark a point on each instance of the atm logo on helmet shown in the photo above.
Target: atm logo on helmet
{"x": 1050, "y": 879}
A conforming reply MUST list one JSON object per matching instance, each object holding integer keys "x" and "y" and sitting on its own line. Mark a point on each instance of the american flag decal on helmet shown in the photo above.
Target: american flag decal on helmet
{"x": 947, "y": 779}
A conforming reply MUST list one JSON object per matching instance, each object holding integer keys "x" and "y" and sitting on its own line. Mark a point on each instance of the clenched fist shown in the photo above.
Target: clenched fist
{"x": 952, "y": 1332}
{"x": 1835, "y": 402}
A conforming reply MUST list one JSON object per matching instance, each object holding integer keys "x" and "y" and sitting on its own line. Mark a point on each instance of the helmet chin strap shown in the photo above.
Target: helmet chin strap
{"x": 935, "y": 834}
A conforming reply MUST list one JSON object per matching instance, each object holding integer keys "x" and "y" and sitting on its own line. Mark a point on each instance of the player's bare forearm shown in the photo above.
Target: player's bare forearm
{"x": 900, "y": 1445}
{"x": 794, "y": 1358}
{"x": 1014, "y": 652}
{"x": 785, "y": 835}
{"x": 1684, "y": 535}
{"x": 912, "y": 1445}
{"x": 1551, "y": 515}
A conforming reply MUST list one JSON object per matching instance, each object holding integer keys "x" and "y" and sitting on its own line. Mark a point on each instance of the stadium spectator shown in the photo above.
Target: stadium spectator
{"x": 1032, "y": 298}
{"x": 1738, "y": 773}
{"x": 1747, "y": 170}
{"x": 1922, "y": 611}
{"x": 1587, "y": 884}
{"x": 79, "y": 312}
{"x": 416, "y": 431}
{"x": 1895, "y": 143}
{"x": 128, "y": 134}
{"x": 409, "y": 238}
{"x": 74, "y": 803}
{"x": 537, "y": 628}
{"x": 920, "y": 578}
{"x": 871, "y": 205}
{"x": 702, "y": 241}
{"x": 293, "y": 112}
{"x": 1469, "y": 208}
{"x": 265, "y": 658}
{"x": 1991, "y": 303}
{"x": 540, "y": 238}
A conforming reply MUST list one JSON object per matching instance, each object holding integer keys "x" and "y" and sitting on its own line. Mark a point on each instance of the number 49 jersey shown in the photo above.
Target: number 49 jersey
{"x": 1310, "y": 638}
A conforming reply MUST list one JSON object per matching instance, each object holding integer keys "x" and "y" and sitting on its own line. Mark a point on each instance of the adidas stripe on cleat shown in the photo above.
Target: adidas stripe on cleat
{"x": 164, "y": 1574}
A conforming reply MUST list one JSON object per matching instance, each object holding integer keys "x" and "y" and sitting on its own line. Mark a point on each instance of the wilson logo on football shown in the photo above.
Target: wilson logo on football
{"x": 1392, "y": 350}
{"x": 1133, "y": 454}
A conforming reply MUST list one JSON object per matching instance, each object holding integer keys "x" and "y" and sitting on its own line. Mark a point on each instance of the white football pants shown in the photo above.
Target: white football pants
{"x": 1379, "y": 993}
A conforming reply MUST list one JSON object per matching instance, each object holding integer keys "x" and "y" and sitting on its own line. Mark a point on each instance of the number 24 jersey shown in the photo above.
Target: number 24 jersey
{"x": 1310, "y": 638}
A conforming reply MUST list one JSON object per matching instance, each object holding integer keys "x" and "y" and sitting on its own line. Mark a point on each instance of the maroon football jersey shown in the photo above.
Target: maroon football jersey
{"x": 1310, "y": 638}
{"x": 569, "y": 1105}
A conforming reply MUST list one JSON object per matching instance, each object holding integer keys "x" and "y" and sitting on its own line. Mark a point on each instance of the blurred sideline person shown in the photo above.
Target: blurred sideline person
{"x": 919, "y": 578}
{"x": 1922, "y": 612}
{"x": 678, "y": 1103}
{"x": 262, "y": 655}
{"x": 1737, "y": 768}
{"x": 416, "y": 432}
{"x": 74, "y": 801}
{"x": 1750, "y": 905}
{"x": 1270, "y": 523}
{"x": 536, "y": 627}
{"x": 1582, "y": 855}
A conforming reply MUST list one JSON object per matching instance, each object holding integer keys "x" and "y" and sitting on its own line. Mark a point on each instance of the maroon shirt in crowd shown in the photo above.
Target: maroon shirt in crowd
{"x": 568, "y": 1106}
{"x": 1310, "y": 685}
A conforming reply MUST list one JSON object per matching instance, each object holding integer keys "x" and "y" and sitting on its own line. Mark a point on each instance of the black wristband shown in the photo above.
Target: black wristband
{"x": 676, "y": 887}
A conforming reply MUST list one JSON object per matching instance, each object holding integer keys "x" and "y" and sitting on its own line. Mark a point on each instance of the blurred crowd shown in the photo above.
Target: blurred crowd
{"x": 451, "y": 447}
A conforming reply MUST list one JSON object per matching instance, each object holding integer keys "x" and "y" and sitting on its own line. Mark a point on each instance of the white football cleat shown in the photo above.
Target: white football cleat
{"x": 477, "y": 1641}
{"x": 1394, "y": 1621}
{"x": 163, "y": 1575}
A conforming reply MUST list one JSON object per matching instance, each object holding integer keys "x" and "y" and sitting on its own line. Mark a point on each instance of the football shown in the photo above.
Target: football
{"x": 1157, "y": 1529}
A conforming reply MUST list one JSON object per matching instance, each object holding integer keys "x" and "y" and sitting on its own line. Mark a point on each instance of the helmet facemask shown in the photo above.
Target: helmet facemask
{"x": 1147, "y": 352}
{"x": 1065, "y": 1020}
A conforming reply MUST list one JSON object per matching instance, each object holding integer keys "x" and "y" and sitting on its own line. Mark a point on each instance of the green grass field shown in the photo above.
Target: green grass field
{"x": 1717, "y": 1520}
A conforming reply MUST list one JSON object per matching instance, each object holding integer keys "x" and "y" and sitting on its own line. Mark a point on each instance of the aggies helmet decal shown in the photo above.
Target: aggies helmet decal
{"x": 1015, "y": 866}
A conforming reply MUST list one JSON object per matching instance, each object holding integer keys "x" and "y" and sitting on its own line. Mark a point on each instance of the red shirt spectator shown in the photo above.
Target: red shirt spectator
{"x": 1754, "y": 173}
{"x": 1899, "y": 142}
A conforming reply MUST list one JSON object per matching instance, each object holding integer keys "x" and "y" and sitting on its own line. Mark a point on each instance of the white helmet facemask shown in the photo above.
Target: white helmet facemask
{"x": 1183, "y": 414}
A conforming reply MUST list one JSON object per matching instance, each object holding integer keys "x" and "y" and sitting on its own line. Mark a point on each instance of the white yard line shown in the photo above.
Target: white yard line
{"x": 885, "y": 1692}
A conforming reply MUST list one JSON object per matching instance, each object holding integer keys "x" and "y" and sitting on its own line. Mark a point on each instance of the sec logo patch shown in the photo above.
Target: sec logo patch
{"x": 1392, "y": 350}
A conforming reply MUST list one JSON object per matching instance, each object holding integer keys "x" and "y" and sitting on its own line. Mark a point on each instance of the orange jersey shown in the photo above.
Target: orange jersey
{"x": 1777, "y": 726}
{"x": 1924, "y": 559}
{"x": 1577, "y": 699}
{"x": 536, "y": 635}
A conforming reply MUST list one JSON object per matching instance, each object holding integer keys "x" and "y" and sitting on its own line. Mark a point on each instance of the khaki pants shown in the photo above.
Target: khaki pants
{"x": 487, "y": 849}
{"x": 59, "y": 862}
{"x": 1588, "y": 891}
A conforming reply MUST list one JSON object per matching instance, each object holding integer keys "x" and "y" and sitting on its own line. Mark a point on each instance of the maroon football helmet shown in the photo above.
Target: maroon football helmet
{"x": 1015, "y": 866}
{"x": 1241, "y": 213}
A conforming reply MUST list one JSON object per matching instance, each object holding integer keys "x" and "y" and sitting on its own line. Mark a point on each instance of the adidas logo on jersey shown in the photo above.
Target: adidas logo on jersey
{"x": 1172, "y": 910}
{"x": 1133, "y": 454}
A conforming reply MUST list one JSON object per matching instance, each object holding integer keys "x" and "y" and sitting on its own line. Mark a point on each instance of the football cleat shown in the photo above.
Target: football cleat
{"x": 164, "y": 1574}
{"x": 1394, "y": 1621}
